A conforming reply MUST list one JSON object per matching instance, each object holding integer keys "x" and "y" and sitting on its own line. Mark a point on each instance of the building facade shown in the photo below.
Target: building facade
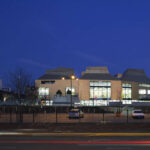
{"x": 96, "y": 83}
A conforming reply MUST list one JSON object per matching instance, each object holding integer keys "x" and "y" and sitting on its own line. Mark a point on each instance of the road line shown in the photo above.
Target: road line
{"x": 74, "y": 142}
{"x": 71, "y": 134}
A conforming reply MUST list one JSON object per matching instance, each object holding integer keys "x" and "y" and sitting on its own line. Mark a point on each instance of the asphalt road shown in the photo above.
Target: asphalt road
{"x": 50, "y": 142}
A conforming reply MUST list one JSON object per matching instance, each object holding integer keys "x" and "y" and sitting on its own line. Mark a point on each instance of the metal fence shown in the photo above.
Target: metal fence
{"x": 22, "y": 114}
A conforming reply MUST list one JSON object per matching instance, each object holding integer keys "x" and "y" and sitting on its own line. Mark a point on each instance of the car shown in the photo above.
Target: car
{"x": 75, "y": 113}
{"x": 137, "y": 114}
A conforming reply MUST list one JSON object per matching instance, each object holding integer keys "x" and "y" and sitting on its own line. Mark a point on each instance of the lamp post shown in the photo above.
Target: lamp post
{"x": 71, "y": 78}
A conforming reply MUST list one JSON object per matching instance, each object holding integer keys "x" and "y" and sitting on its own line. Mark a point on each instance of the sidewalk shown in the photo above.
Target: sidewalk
{"x": 79, "y": 128}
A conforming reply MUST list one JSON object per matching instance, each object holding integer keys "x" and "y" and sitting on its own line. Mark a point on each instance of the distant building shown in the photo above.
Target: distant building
{"x": 95, "y": 83}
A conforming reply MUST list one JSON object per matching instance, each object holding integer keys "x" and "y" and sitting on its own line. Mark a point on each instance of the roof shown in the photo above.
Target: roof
{"x": 60, "y": 70}
{"x": 52, "y": 77}
{"x": 136, "y": 75}
{"x": 96, "y": 70}
{"x": 98, "y": 76}
{"x": 58, "y": 73}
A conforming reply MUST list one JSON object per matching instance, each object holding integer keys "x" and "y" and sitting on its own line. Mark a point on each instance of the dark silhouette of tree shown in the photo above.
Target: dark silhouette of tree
{"x": 59, "y": 92}
{"x": 69, "y": 92}
{"x": 18, "y": 80}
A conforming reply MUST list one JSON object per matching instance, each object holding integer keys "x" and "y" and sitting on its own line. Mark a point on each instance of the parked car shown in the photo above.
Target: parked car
{"x": 137, "y": 114}
{"x": 75, "y": 113}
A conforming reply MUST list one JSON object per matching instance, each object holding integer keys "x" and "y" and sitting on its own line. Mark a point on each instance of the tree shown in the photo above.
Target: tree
{"x": 59, "y": 92}
{"x": 18, "y": 80}
{"x": 69, "y": 92}
{"x": 31, "y": 93}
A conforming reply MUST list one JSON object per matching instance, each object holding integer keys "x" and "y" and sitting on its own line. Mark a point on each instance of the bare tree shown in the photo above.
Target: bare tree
{"x": 31, "y": 93}
{"x": 18, "y": 80}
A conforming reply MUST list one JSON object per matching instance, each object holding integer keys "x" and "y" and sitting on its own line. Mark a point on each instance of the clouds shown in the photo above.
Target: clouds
{"x": 97, "y": 60}
{"x": 34, "y": 63}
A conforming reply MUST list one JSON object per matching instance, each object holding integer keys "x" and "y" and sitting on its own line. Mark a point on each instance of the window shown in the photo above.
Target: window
{"x": 142, "y": 91}
{"x": 47, "y": 82}
{"x": 144, "y": 85}
{"x": 43, "y": 91}
{"x": 148, "y": 91}
{"x": 144, "y": 94}
{"x": 69, "y": 88}
{"x": 100, "y": 90}
{"x": 126, "y": 91}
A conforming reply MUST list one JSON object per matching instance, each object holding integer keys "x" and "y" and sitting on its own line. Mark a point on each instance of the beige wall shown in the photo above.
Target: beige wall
{"x": 59, "y": 85}
{"x": 82, "y": 88}
{"x": 116, "y": 89}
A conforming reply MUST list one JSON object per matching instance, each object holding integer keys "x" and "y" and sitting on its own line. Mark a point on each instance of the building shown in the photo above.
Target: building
{"x": 57, "y": 79}
{"x": 95, "y": 83}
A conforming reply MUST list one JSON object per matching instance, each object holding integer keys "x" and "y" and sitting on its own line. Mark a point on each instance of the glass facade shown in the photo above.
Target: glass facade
{"x": 100, "y": 90}
{"x": 126, "y": 91}
{"x": 144, "y": 91}
{"x": 144, "y": 94}
{"x": 144, "y": 85}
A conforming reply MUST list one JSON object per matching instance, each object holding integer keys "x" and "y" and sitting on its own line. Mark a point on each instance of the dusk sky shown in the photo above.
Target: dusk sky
{"x": 44, "y": 34}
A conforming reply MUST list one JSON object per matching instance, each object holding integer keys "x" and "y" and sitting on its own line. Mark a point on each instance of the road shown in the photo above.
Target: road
{"x": 123, "y": 141}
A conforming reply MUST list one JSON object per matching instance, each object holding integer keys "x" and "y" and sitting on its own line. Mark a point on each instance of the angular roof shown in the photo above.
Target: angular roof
{"x": 97, "y": 73}
{"x": 60, "y": 69}
{"x": 58, "y": 73}
{"x": 136, "y": 75}
{"x": 98, "y": 76}
{"x": 52, "y": 77}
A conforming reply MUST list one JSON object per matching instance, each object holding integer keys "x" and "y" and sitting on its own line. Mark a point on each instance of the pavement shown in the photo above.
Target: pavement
{"x": 55, "y": 141}
{"x": 104, "y": 135}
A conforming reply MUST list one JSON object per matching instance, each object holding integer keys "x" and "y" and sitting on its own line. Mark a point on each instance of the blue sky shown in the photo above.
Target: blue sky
{"x": 45, "y": 34}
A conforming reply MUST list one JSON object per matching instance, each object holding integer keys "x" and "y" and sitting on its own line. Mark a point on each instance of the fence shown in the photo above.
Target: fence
{"x": 22, "y": 114}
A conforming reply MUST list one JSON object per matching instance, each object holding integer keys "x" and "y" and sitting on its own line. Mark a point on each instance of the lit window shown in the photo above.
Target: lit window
{"x": 148, "y": 91}
{"x": 126, "y": 91}
{"x": 144, "y": 85}
{"x": 100, "y": 90}
{"x": 43, "y": 91}
{"x": 69, "y": 89}
{"x": 126, "y": 85}
{"x": 142, "y": 91}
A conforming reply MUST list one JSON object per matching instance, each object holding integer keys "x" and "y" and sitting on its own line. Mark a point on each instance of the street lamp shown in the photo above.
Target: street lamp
{"x": 72, "y": 77}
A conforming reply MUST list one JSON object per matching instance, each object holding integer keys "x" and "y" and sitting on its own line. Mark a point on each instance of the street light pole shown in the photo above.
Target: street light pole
{"x": 71, "y": 78}
{"x": 71, "y": 91}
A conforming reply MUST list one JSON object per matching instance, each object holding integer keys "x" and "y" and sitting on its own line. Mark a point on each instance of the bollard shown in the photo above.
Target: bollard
{"x": 127, "y": 115}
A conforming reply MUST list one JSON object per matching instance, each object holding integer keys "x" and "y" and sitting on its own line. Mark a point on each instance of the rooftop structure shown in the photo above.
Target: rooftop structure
{"x": 136, "y": 75}
{"x": 97, "y": 73}
{"x": 58, "y": 73}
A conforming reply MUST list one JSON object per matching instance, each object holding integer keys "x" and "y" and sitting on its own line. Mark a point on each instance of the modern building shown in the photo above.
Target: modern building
{"x": 57, "y": 79}
{"x": 95, "y": 83}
